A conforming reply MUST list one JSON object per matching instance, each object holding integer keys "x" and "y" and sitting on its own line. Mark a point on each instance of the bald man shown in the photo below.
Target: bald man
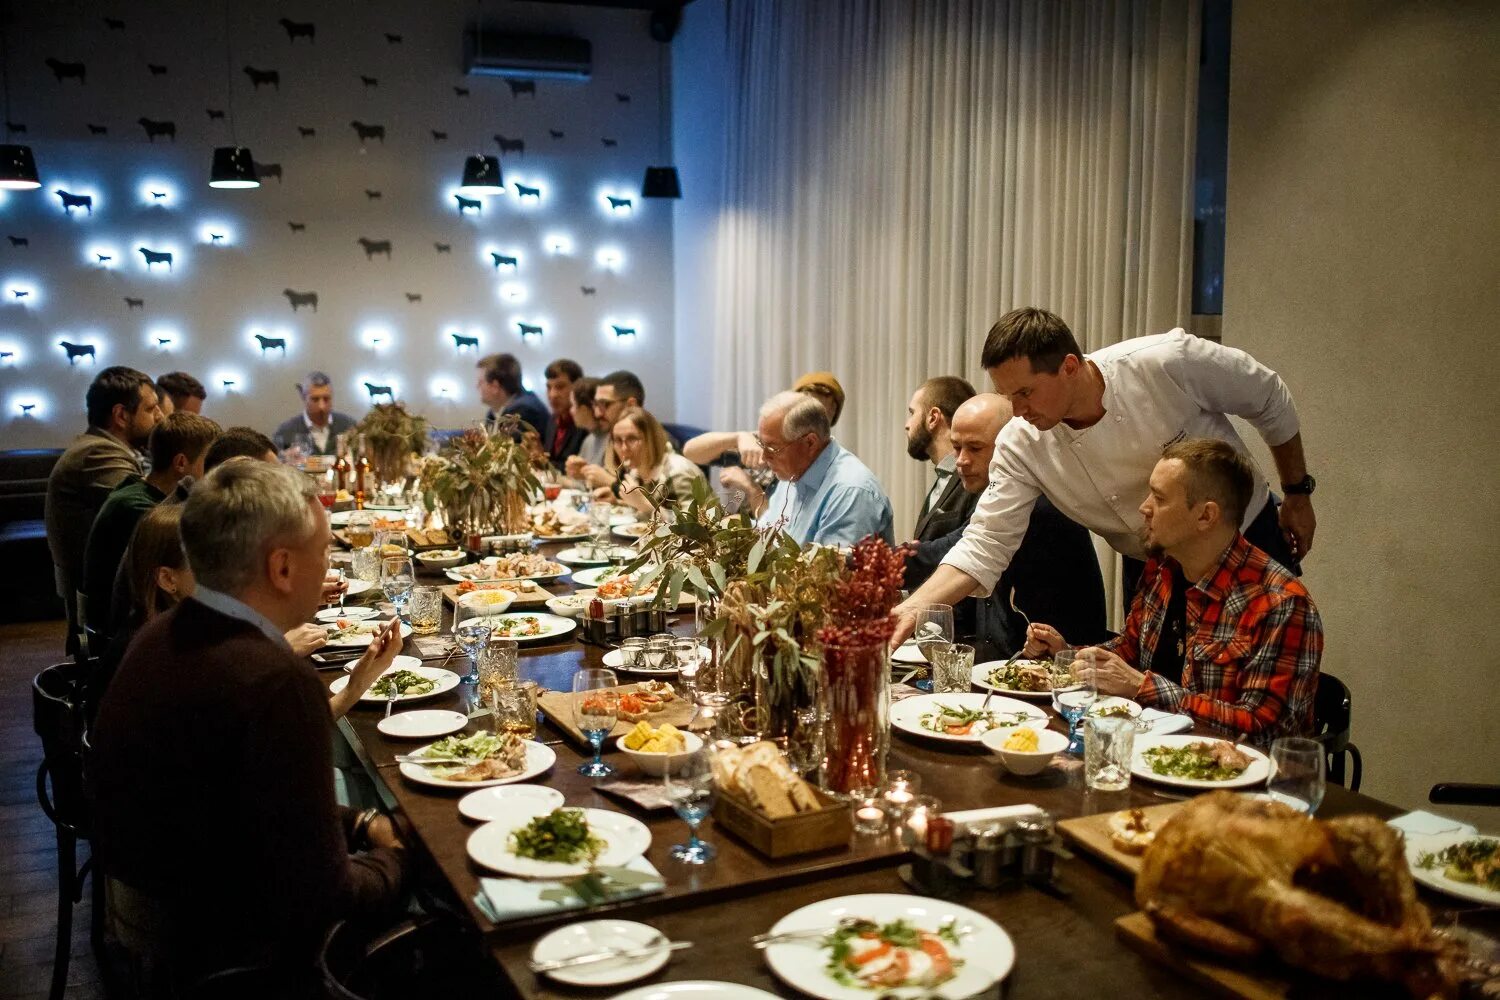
{"x": 1054, "y": 571}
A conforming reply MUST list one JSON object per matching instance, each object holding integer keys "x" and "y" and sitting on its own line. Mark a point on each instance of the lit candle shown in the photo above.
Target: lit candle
{"x": 869, "y": 814}
{"x": 922, "y": 809}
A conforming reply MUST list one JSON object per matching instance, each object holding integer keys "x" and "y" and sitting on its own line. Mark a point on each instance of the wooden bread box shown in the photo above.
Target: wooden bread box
{"x": 805, "y": 833}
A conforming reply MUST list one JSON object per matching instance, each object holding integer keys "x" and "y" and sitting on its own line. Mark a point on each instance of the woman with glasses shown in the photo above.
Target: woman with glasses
{"x": 647, "y": 463}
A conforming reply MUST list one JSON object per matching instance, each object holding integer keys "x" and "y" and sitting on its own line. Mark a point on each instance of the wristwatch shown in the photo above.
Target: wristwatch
{"x": 1303, "y": 487}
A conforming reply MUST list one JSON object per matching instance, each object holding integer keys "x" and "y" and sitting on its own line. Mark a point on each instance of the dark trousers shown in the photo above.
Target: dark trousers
{"x": 1264, "y": 533}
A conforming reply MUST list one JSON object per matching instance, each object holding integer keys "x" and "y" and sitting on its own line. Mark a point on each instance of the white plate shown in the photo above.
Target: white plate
{"x": 447, "y": 680}
{"x": 1255, "y": 774}
{"x": 422, "y": 724}
{"x": 1435, "y": 879}
{"x": 571, "y": 536}
{"x": 455, "y": 575}
{"x": 907, "y": 713}
{"x": 364, "y": 636}
{"x": 580, "y": 555}
{"x": 987, "y": 951}
{"x": 612, "y": 660}
{"x": 981, "y": 678}
{"x": 908, "y": 652}
{"x": 358, "y": 587}
{"x": 696, "y": 989}
{"x": 552, "y": 625}
{"x": 576, "y": 604}
{"x": 538, "y": 759}
{"x": 634, "y": 532}
{"x": 357, "y": 614}
{"x": 597, "y": 575}
{"x": 504, "y": 801}
{"x": 625, "y": 839}
{"x": 591, "y": 936}
{"x": 1110, "y": 702}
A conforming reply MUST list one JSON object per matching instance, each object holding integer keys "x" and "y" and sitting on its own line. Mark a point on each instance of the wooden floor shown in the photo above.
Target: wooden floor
{"x": 28, "y": 851}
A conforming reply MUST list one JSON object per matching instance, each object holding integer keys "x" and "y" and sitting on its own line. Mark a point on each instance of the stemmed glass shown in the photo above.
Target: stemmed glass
{"x": 690, "y": 787}
{"x": 396, "y": 581}
{"x": 1074, "y": 692}
{"x": 596, "y": 705}
{"x": 933, "y": 631}
{"x": 599, "y": 515}
{"x": 471, "y": 633}
{"x": 1297, "y": 773}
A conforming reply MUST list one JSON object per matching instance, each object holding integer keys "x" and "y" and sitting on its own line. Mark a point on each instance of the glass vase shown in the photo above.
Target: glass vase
{"x": 856, "y": 703}
{"x": 788, "y": 711}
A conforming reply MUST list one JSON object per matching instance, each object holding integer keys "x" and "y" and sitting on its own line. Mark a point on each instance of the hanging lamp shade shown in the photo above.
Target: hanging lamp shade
{"x": 482, "y": 176}
{"x": 661, "y": 182}
{"x": 18, "y": 169}
{"x": 233, "y": 168}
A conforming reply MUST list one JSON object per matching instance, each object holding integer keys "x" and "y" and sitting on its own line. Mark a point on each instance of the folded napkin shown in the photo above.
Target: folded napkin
{"x": 1163, "y": 723}
{"x": 979, "y": 817}
{"x": 1426, "y": 824}
{"x": 647, "y": 795}
{"x": 508, "y": 898}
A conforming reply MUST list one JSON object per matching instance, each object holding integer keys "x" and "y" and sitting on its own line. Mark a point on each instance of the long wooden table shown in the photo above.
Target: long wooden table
{"x": 1062, "y": 944}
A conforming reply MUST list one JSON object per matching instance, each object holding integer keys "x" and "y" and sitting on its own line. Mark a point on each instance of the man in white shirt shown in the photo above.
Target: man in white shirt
{"x": 1091, "y": 430}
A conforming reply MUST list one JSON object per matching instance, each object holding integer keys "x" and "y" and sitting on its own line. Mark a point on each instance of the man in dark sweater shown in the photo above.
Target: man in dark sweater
{"x": 503, "y": 392}
{"x": 211, "y": 769}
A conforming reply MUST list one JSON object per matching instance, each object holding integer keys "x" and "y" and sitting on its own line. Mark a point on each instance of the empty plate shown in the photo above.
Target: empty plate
{"x": 593, "y": 936}
{"x": 353, "y": 614}
{"x": 427, "y": 723}
{"x": 490, "y": 804}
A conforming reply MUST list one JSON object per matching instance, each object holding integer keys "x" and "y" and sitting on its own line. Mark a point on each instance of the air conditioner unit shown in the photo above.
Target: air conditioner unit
{"x": 528, "y": 57}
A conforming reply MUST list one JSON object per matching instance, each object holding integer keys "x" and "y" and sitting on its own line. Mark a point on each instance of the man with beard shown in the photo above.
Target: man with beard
{"x": 1218, "y": 629}
{"x": 948, "y": 505}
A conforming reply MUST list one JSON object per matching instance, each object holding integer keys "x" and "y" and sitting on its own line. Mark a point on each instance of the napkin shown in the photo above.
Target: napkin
{"x": 508, "y": 898}
{"x": 1426, "y": 824}
{"x": 1163, "y": 723}
{"x": 647, "y": 795}
{"x": 978, "y": 817}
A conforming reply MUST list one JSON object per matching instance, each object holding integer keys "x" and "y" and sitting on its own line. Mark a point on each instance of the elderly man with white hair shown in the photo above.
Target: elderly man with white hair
{"x": 823, "y": 493}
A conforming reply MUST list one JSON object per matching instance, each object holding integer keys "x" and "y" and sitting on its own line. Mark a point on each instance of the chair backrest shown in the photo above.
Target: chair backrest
{"x": 57, "y": 715}
{"x": 428, "y": 956}
{"x": 1333, "y": 713}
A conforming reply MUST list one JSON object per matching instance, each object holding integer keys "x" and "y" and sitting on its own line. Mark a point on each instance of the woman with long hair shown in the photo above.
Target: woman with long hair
{"x": 647, "y": 463}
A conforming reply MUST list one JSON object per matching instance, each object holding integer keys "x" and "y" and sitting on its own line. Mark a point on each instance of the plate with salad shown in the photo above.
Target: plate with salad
{"x": 411, "y": 679}
{"x": 962, "y": 717}
{"x": 1198, "y": 762}
{"x": 352, "y": 632}
{"x": 479, "y": 760}
{"x": 526, "y": 626}
{"x": 881, "y": 944}
{"x": 1022, "y": 679}
{"x": 559, "y": 843}
{"x": 1457, "y": 863}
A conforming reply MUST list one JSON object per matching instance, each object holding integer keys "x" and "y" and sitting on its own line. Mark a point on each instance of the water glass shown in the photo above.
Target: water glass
{"x": 658, "y": 651}
{"x": 687, "y": 658}
{"x": 498, "y": 664}
{"x": 361, "y": 529}
{"x": 365, "y": 564}
{"x": 933, "y": 629}
{"x": 1073, "y": 693}
{"x": 471, "y": 634}
{"x": 1108, "y": 745}
{"x": 514, "y": 708}
{"x": 396, "y": 581}
{"x": 690, "y": 788}
{"x": 426, "y": 610}
{"x": 596, "y": 706}
{"x": 599, "y": 527}
{"x": 952, "y": 668}
{"x": 1297, "y": 773}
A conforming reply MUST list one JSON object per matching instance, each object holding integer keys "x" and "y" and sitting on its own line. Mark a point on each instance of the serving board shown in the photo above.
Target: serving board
{"x": 535, "y": 599}
{"x": 1092, "y": 834}
{"x": 557, "y": 706}
{"x": 1139, "y": 934}
{"x": 342, "y": 537}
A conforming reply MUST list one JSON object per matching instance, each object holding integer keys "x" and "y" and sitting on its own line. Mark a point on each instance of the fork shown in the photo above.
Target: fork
{"x": 1017, "y": 654}
{"x": 392, "y": 698}
{"x": 1018, "y": 610}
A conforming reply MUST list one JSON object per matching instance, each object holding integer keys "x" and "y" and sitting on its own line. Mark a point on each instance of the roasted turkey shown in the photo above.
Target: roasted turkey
{"x": 1240, "y": 876}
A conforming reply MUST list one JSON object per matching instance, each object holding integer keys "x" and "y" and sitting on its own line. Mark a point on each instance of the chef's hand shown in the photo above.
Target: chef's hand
{"x": 1298, "y": 523}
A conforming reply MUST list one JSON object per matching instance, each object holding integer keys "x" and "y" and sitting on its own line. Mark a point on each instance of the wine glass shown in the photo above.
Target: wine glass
{"x": 596, "y": 705}
{"x": 690, "y": 787}
{"x": 599, "y": 527}
{"x": 1074, "y": 692}
{"x": 471, "y": 633}
{"x": 1297, "y": 777}
{"x": 396, "y": 581}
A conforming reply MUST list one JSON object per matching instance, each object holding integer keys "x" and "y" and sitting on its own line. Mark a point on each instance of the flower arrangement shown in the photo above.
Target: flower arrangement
{"x": 483, "y": 480}
{"x": 391, "y": 437}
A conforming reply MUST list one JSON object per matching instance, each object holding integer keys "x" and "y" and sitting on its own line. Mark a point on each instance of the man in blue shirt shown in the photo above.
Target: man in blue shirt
{"x": 823, "y": 493}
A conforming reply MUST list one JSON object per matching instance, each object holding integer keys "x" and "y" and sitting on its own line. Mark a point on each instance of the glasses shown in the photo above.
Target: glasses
{"x": 1108, "y": 744}
{"x": 634, "y": 439}
{"x": 426, "y": 610}
{"x": 604, "y": 404}
{"x": 1297, "y": 773}
{"x": 396, "y": 580}
{"x": 772, "y": 450}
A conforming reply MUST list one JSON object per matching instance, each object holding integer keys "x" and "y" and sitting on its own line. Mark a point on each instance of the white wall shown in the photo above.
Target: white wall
{"x": 1362, "y": 264}
{"x": 217, "y": 296}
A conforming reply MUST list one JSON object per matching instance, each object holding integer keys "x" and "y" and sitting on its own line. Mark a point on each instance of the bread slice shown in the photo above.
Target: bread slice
{"x": 726, "y": 765}
{"x": 768, "y": 793}
{"x": 804, "y": 799}
{"x": 1130, "y": 831}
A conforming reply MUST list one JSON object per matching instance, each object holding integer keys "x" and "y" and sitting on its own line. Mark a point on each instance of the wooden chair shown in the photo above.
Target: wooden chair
{"x": 1455, "y": 793}
{"x": 1332, "y": 718}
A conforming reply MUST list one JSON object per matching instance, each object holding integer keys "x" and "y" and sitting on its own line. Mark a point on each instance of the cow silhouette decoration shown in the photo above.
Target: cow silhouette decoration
{"x": 465, "y": 204}
{"x": 615, "y": 204}
{"x": 76, "y": 351}
{"x": 156, "y": 257}
{"x": 215, "y": 114}
{"x": 501, "y": 260}
{"x": 297, "y": 227}
{"x": 299, "y": 29}
{"x": 114, "y": 24}
{"x": 263, "y": 78}
{"x": 16, "y": 127}
{"x": 519, "y": 87}
{"x": 72, "y": 201}
{"x": 271, "y": 343}
{"x": 306, "y": 131}
{"x": 104, "y": 258}
{"x": 97, "y": 129}
{"x": 156, "y": 128}
{"x": 377, "y": 391}
{"x": 26, "y": 408}
{"x": 369, "y": 81}
{"x": 19, "y": 293}
{"x": 530, "y": 330}
{"x": 460, "y": 91}
{"x": 300, "y": 299}
{"x": 622, "y": 98}
{"x": 134, "y": 303}
{"x": 587, "y": 289}
{"x": 158, "y": 195}
{"x": 215, "y": 238}
{"x": 443, "y": 247}
{"x": 556, "y": 133}
{"x": 439, "y": 136}
{"x": 623, "y": 331}
{"x": 374, "y": 247}
{"x": 413, "y": 298}
{"x": 392, "y": 39}
{"x": 19, "y": 241}
{"x": 522, "y": 191}
{"x": 610, "y": 143}
{"x": 156, "y": 70}
{"x": 372, "y": 195}
{"x": 460, "y": 341}
{"x": 368, "y": 132}
{"x": 67, "y": 70}
{"x": 269, "y": 170}
{"x": 517, "y": 146}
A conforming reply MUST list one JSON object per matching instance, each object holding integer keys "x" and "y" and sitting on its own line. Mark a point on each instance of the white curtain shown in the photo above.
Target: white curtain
{"x": 900, "y": 173}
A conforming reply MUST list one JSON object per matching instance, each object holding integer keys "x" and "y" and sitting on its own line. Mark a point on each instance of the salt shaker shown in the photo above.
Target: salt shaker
{"x": 1035, "y": 833}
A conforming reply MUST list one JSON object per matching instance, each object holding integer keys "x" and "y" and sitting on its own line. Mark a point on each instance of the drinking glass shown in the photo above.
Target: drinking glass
{"x": 498, "y": 664}
{"x": 426, "y": 610}
{"x": 596, "y": 706}
{"x": 1297, "y": 777}
{"x": 1108, "y": 744}
{"x": 658, "y": 651}
{"x": 934, "y": 628}
{"x": 514, "y": 708}
{"x": 952, "y": 668}
{"x": 396, "y": 580}
{"x": 599, "y": 515}
{"x": 361, "y": 529}
{"x": 1073, "y": 693}
{"x": 690, "y": 787}
{"x": 471, "y": 632}
{"x": 365, "y": 564}
{"x": 633, "y": 652}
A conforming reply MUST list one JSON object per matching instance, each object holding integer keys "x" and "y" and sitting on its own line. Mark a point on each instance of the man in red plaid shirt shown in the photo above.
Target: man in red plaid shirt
{"x": 1217, "y": 629}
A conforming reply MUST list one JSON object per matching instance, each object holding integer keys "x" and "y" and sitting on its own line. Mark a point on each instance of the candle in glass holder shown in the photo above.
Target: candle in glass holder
{"x": 923, "y": 808}
{"x": 869, "y": 811}
{"x": 901, "y": 789}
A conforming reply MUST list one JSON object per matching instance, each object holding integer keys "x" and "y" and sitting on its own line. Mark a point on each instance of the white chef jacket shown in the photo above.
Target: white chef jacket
{"x": 1157, "y": 390}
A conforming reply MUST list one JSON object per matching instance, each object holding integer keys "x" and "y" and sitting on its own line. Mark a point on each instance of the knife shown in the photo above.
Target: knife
{"x": 608, "y": 955}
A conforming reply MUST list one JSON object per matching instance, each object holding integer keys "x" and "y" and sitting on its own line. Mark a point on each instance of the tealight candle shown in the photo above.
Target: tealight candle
{"x": 901, "y": 789}
{"x": 923, "y": 808}
{"x": 869, "y": 811}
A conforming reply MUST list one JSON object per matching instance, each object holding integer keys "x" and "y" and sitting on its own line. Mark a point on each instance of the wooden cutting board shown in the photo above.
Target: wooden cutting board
{"x": 558, "y": 707}
{"x": 1139, "y": 933}
{"x": 534, "y": 599}
{"x": 1092, "y": 834}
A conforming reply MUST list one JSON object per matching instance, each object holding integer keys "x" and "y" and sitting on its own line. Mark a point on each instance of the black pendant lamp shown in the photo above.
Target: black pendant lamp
{"x": 233, "y": 168}
{"x": 661, "y": 182}
{"x": 18, "y": 169}
{"x": 481, "y": 177}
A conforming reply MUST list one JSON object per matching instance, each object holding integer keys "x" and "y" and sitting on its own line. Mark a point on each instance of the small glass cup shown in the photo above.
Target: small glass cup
{"x": 869, "y": 811}
{"x": 1108, "y": 747}
{"x": 365, "y": 564}
{"x": 426, "y": 610}
{"x": 952, "y": 668}
{"x": 901, "y": 788}
{"x": 658, "y": 651}
{"x": 1297, "y": 776}
{"x": 633, "y": 652}
{"x": 498, "y": 664}
{"x": 361, "y": 529}
{"x": 514, "y": 708}
{"x": 914, "y": 827}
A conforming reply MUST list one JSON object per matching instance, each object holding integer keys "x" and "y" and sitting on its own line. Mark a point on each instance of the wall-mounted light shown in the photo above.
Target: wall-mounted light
{"x": 157, "y": 192}
{"x": 230, "y": 381}
{"x": 17, "y": 165}
{"x": 27, "y": 404}
{"x": 481, "y": 177}
{"x": 22, "y": 292}
{"x": 105, "y": 255}
{"x": 163, "y": 338}
{"x": 443, "y": 388}
{"x": 610, "y": 258}
{"x": 559, "y": 244}
{"x": 377, "y": 337}
{"x": 233, "y": 169}
{"x": 513, "y": 292}
{"x": 661, "y": 182}
{"x": 216, "y": 233}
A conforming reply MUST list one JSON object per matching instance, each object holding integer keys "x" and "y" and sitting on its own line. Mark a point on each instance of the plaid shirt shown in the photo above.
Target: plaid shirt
{"x": 1252, "y": 645}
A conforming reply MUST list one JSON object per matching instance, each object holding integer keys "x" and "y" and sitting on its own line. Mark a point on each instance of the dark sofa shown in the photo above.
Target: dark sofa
{"x": 26, "y": 584}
